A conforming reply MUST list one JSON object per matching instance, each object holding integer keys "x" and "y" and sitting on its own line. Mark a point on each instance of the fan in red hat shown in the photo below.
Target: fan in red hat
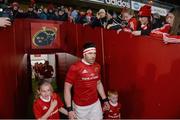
{"x": 144, "y": 26}
{"x": 145, "y": 11}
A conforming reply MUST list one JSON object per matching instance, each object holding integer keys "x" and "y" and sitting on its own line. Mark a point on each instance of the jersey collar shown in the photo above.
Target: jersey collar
{"x": 49, "y": 99}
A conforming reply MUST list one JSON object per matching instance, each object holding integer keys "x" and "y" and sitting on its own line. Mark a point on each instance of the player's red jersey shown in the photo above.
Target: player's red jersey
{"x": 84, "y": 79}
{"x": 113, "y": 112}
{"x": 40, "y": 107}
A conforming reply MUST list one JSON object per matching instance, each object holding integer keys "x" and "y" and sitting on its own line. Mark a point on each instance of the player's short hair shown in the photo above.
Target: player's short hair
{"x": 88, "y": 45}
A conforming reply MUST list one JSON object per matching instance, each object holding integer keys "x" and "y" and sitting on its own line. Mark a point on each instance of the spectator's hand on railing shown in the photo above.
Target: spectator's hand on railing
{"x": 4, "y": 22}
{"x": 119, "y": 30}
{"x": 136, "y": 33}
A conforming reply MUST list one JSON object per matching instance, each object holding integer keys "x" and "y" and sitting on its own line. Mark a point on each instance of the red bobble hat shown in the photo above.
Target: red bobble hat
{"x": 145, "y": 11}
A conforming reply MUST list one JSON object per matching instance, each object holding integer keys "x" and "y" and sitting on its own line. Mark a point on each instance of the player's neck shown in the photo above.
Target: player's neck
{"x": 84, "y": 61}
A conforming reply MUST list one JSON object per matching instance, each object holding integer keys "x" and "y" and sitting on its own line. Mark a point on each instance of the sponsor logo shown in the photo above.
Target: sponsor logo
{"x": 90, "y": 78}
{"x": 84, "y": 71}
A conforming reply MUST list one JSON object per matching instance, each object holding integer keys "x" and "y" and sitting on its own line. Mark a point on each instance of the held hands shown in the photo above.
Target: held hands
{"x": 4, "y": 22}
{"x": 72, "y": 115}
{"x": 106, "y": 106}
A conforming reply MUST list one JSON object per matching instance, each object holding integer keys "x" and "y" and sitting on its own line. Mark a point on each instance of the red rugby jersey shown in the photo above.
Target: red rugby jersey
{"x": 40, "y": 107}
{"x": 84, "y": 79}
{"x": 113, "y": 112}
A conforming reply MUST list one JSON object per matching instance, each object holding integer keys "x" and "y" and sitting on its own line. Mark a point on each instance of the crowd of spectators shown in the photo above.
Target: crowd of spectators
{"x": 141, "y": 23}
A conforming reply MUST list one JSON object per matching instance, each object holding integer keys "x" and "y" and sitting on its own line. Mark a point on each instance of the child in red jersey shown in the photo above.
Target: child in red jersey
{"x": 114, "y": 111}
{"x": 128, "y": 16}
{"x": 48, "y": 104}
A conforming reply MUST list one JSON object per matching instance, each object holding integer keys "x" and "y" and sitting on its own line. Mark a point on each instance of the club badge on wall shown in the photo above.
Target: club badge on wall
{"x": 45, "y": 36}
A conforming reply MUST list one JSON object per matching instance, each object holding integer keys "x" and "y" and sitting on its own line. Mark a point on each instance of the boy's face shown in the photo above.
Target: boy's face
{"x": 45, "y": 91}
{"x": 126, "y": 16}
{"x": 113, "y": 98}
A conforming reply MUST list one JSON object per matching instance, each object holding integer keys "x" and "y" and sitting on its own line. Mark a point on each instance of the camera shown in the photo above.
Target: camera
{"x": 7, "y": 12}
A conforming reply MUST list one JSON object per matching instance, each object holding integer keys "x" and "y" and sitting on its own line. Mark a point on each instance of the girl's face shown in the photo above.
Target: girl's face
{"x": 113, "y": 98}
{"x": 170, "y": 18}
{"x": 45, "y": 91}
{"x": 126, "y": 16}
{"x": 143, "y": 20}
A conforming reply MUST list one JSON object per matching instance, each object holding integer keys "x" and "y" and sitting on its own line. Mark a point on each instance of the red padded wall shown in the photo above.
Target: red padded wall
{"x": 7, "y": 73}
{"x": 143, "y": 69}
{"x": 13, "y": 72}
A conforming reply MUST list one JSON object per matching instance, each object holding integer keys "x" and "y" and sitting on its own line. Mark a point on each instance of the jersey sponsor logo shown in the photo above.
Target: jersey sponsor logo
{"x": 45, "y": 108}
{"x": 84, "y": 71}
{"x": 90, "y": 78}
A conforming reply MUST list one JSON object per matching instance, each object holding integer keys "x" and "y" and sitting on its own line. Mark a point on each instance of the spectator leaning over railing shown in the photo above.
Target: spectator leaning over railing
{"x": 167, "y": 26}
{"x": 128, "y": 16}
{"x": 144, "y": 28}
{"x": 174, "y": 34}
{"x": 112, "y": 22}
{"x": 100, "y": 20}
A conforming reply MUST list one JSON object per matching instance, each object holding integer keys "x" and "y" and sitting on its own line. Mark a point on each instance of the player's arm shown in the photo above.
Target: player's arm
{"x": 67, "y": 94}
{"x": 100, "y": 89}
{"x": 67, "y": 97}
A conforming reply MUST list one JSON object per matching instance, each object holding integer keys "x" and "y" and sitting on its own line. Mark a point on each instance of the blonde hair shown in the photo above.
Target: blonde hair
{"x": 112, "y": 92}
{"x": 41, "y": 83}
